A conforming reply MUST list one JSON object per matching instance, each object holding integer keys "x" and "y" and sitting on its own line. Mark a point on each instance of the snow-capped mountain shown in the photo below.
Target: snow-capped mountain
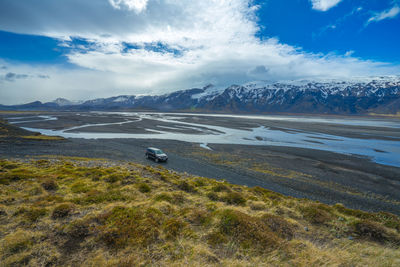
{"x": 65, "y": 102}
{"x": 355, "y": 96}
{"x": 328, "y": 96}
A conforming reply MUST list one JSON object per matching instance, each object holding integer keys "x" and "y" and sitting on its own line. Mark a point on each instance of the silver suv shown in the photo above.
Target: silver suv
{"x": 156, "y": 154}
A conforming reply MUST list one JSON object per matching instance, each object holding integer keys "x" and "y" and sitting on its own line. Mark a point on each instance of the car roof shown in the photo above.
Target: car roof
{"x": 153, "y": 148}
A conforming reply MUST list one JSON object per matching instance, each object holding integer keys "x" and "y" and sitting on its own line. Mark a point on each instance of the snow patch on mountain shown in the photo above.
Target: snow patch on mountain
{"x": 65, "y": 102}
{"x": 209, "y": 92}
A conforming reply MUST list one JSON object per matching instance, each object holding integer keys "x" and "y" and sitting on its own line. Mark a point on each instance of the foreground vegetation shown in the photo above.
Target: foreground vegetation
{"x": 92, "y": 212}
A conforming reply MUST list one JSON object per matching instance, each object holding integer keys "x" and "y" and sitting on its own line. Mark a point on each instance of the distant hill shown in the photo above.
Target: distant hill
{"x": 356, "y": 96}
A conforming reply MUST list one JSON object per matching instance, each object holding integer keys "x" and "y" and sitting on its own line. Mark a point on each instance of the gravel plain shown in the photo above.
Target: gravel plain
{"x": 357, "y": 182}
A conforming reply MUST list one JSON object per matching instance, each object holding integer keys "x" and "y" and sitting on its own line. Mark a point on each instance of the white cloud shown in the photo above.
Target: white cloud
{"x": 324, "y": 5}
{"x": 386, "y": 14}
{"x": 178, "y": 45}
{"x": 135, "y": 5}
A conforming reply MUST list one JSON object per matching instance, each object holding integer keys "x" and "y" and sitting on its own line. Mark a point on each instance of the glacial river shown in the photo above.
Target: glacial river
{"x": 379, "y": 150}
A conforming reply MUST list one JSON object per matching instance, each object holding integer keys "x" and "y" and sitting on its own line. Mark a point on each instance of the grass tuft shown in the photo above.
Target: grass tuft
{"x": 62, "y": 210}
{"x": 187, "y": 187}
{"x": 50, "y": 185}
{"x": 316, "y": 214}
{"x": 249, "y": 232}
{"x": 144, "y": 188}
{"x": 133, "y": 226}
{"x": 16, "y": 242}
{"x": 373, "y": 232}
{"x": 234, "y": 198}
{"x": 173, "y": 228}
{"x": 32, "y": 214}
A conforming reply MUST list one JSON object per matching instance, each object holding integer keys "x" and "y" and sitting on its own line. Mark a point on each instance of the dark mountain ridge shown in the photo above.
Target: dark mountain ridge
{"x": 358, "y": 96}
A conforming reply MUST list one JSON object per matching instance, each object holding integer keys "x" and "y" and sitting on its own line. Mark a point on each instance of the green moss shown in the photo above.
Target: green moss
{"x": 144, "y": 188}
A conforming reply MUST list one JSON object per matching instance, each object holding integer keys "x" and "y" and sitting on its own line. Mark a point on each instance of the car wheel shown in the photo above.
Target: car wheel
{"x": 156, "y": 159}
{"x": 147, "y": 156}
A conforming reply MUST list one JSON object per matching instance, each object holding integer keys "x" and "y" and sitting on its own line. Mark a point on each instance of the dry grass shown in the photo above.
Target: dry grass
{"x": 397, "y": 115}
{"x": 86, "y": 212}
{"x": 42, "y": 137}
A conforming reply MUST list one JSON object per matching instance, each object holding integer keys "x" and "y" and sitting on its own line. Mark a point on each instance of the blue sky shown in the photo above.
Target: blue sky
{"x": 87, "y": 49}
{"x": 341, "y": 29}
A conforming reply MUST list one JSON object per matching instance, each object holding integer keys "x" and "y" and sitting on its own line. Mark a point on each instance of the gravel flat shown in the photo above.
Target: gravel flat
{"x": 355, "y": 181}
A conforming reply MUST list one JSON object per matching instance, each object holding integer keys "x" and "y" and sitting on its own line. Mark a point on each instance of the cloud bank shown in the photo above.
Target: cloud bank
{"x": 135, "y": 5}
{"x": 324, "y": 5}
{"x": 153, "y": 47}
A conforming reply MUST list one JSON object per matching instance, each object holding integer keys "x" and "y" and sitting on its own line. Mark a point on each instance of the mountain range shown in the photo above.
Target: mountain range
{"x": 351, "y": 96}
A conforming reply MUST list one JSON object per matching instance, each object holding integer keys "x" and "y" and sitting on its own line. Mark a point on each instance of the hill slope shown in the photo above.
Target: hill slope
{"x": 75, "y": 211}
{"x": 357, "y": 96}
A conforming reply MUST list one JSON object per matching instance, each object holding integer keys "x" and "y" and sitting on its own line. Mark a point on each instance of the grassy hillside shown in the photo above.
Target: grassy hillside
{"x": 92, "y": 212}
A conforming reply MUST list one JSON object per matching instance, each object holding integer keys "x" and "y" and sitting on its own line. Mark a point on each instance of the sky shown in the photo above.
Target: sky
{"x": 82, "y": 50}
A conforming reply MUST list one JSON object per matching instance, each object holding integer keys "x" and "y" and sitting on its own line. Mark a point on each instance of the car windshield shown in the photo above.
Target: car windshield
{"x": 159, "y": 152}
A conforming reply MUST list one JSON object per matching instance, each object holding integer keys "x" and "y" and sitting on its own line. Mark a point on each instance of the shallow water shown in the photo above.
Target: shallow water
{"x": 381, "y": 151}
